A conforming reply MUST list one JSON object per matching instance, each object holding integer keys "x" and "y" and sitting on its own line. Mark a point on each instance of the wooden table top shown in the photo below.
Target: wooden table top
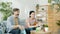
{"x": 40, "y": 32}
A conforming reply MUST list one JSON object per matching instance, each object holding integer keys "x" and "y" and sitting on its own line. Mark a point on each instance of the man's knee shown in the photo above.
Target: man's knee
{"x": 15, "y": 31}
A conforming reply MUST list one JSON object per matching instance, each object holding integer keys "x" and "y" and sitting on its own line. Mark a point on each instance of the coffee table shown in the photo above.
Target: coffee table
{"x": 40, "y": 32}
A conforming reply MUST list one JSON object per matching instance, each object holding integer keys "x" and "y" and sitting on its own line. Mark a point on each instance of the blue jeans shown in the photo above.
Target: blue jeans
{"x": 23, "y": 32}
{"x": 29, "y": 29}
{"x": 17, "y": 31}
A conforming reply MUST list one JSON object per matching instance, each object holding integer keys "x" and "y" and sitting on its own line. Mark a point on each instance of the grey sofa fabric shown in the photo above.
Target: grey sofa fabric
{"x": 4, "y": 26}
{"x": 1, "y": 28}
{"x": 22, "y": 22}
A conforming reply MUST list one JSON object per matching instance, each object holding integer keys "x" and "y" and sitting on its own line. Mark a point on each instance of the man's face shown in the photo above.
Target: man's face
{"x": 16, "y": 13}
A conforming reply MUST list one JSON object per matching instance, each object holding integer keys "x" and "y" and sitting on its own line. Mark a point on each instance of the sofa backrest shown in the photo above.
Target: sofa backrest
{"x": 21, "y": 20}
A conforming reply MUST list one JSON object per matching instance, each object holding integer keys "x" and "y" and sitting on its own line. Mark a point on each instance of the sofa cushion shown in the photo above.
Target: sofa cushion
{"x": 22, "y": 22}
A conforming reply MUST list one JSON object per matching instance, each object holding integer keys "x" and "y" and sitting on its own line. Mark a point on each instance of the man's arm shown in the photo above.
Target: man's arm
{"x": 9, "y": 25}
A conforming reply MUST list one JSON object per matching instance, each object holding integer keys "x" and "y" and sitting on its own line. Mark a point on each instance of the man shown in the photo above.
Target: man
{"x": 13, "y": 23}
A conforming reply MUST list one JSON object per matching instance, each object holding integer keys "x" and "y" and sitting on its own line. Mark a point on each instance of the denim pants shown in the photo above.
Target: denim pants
{"x": 23, "y": 32}
{"x": 29, "y": 29}
{"x": 17, "y": 31}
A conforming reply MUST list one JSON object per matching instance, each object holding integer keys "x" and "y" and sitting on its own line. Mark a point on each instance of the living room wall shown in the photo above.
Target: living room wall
{"x": 25, "y": 5}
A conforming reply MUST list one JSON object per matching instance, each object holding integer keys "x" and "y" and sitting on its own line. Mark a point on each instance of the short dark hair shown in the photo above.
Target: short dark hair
{"x": 15, "y": 9}
{"x": 31, "y": 13}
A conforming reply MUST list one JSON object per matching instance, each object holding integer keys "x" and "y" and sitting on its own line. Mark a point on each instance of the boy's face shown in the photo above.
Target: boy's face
{"x": 16, "y": 13}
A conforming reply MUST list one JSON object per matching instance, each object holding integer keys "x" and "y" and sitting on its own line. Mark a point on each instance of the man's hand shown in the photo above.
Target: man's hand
{"x": 21, "y": 27}
{"x": 16, "y": 26}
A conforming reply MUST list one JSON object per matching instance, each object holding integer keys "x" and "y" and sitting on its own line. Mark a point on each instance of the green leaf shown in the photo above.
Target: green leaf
{"x": 5, "y": 9}
{"x": 58, "y": 22}
{"x": 49, "y": 1}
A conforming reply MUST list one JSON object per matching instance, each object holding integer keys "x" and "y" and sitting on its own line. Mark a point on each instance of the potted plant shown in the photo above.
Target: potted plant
{"x": 56, "y": 2}
{"x": 58, "y": 23}
{"x": 45, "y": 27}
{"x": 5, "y": 9}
